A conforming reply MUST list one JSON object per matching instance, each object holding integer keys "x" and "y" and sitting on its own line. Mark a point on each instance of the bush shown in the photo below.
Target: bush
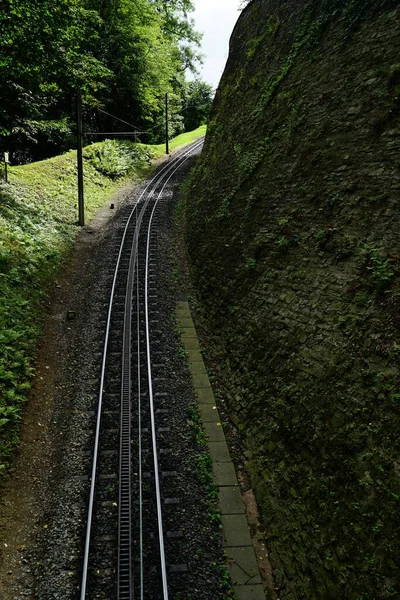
{"x": 116, "y": 158}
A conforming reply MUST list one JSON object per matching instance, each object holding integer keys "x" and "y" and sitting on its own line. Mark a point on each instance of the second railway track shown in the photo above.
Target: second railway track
{"x": 130, "y": 490}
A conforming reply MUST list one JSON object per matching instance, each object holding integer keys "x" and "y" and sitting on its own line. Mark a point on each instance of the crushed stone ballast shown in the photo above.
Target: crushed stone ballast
{"x": 125, "y": 484}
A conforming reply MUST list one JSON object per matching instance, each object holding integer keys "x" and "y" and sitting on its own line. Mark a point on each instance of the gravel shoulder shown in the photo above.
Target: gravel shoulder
{"x": 43, "y": 500}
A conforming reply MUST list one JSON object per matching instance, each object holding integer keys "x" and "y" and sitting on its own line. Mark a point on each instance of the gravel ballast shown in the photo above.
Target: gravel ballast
{"x": 43, "y": 505}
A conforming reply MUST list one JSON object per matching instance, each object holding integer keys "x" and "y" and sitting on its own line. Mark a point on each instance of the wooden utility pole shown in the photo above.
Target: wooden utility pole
{"x": 6, "y": 166}
{"x": 81, "y": 203}
{"x": 166, "y": 124}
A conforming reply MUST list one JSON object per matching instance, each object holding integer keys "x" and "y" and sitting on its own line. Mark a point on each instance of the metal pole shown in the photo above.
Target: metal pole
{"x": 166, "y": 124}
{"x": 81, "y": 204}
{"x": 5, "y": 171}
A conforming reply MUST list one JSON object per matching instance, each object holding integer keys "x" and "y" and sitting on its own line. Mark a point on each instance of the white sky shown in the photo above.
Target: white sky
{"x": 215, "y": 19}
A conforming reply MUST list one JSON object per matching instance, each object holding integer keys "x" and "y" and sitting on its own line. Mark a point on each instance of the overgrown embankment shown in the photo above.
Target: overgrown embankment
{"x": 38, "y": 217}
{"x": 293, "y": 218}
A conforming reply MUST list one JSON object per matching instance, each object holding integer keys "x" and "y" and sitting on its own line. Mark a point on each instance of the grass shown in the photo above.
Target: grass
{"x": 180, "y": 140}
{"x": 38, "y": 226}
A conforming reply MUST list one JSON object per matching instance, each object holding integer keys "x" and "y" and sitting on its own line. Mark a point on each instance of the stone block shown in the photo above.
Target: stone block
{"x": 219, "y": 452}
{"x": 209, "y": 413}
{"x": 249, "y": 592}
{"x": 194, "y": 355}
{"x": 224, "y": 474}
{"x": 191, "y": 343}
{"x": 242, "y": 565}
{"x": 188, "y": 332}
{"x": 230, "y": 501}
{"x": 205, "y": 396}
{"x": 214, "y": 432}
{"x": 185, "y": 322}
{"x": 183, "y": 310}
{"x": 235, "y": 531}
{"x": 197, "y": 368}
{"x": 200, "y": 380}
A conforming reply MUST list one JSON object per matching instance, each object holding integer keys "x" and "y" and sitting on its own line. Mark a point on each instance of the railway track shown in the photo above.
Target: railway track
{"x": 124, "y": 553}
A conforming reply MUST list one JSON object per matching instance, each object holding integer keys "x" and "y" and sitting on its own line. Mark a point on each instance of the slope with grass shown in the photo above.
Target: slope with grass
{"x": 38, "y": 215}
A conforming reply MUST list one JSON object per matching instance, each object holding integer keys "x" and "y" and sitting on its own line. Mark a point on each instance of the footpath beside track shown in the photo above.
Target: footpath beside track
{"x": 238, "y": 545}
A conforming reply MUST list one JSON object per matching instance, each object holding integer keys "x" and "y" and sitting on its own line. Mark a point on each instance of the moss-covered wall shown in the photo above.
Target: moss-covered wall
{"x": 293, "y": 216}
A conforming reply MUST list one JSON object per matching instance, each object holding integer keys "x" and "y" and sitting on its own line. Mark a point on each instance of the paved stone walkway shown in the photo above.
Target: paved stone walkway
{"x": 239, "y": 550}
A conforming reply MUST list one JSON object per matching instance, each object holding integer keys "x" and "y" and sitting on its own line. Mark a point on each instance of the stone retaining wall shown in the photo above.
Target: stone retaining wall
{"x": 294, "y": 219}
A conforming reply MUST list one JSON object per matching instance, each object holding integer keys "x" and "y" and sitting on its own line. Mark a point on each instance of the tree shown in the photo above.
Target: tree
{"x": 148, "y": 46}
{"x": 46, "y": 51}
{"x": 198, "y": 98}
{"x": 122, "y": 55}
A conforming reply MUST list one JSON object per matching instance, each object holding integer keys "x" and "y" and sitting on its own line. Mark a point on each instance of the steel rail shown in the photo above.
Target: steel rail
{"x": 124, "y": 565}
{"x": 151, "y": 398}
{"x": 164, "y": 171}
{"x": 124, "y": 570}
{"x": 140, "y": 458}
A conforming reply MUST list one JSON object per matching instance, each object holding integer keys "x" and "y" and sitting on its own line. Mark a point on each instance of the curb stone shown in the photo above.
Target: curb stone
{"x": 242, "y": 564}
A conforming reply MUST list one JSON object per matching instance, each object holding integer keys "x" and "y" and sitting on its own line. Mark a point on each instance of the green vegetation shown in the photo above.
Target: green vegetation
{"x": 37, "y": 228}
{"x": 204, "y": 475}
{"x": 180, "y": 140}
{"x": 204, "y": 467}
{"x": 197, "y": 103}
{"x": 378, "y": 267}
{"x": 121, "y": 55}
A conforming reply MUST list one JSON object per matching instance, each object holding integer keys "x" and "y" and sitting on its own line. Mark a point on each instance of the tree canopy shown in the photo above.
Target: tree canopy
{"x": 122, "y": 55}
{"x": 198, "y": 97}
